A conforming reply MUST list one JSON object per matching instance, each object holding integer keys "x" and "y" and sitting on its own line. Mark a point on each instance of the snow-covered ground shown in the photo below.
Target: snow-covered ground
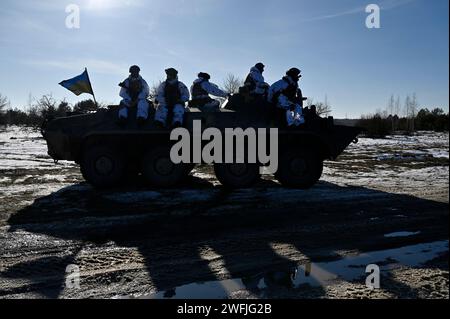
{"x": 397, "y": 164}
{"x": 25, "y": 167}
{"x": 24, "y": 148}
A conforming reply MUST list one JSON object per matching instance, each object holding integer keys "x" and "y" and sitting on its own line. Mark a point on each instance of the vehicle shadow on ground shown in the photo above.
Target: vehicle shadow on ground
{"x": 174, "y": 230}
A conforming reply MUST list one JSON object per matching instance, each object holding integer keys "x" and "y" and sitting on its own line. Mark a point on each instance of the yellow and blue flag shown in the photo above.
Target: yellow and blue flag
{"x": 79, "y": 84}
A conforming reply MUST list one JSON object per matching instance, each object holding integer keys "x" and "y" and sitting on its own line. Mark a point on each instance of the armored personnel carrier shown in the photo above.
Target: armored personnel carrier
{"x": 107, "y": 152}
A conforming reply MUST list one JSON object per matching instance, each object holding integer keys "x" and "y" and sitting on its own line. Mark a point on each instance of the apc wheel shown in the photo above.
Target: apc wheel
{"x": 299, "y": 169}
{"x": 159, "y": 170}
{"x": 102, "y": 166}
{"x": 237, "y": 175}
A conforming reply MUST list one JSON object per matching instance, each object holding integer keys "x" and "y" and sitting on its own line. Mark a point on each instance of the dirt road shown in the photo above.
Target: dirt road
{"x": 384, "y": 202}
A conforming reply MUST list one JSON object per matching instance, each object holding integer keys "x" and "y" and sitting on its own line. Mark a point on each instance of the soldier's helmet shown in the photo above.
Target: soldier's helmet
{"x": 260, "y": 66}
{"x": 204, "y": 75}
{"x": 294, "y": 73}
{"x": 135, "y": 69}
{"x": 171, "y": 72}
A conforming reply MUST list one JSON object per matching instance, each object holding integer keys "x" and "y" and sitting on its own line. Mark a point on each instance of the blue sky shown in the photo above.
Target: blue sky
{"x": 357, "y": 68}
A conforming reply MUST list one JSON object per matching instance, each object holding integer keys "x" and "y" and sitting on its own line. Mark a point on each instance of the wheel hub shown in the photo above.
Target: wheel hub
{"x": 298, "y": 166}
{"x": 104, "y": 165}
{"x": 164, "y": 166}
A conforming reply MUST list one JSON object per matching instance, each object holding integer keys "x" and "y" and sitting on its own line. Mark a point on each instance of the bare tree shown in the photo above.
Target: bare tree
{"x": 46, "y": 106}
{"x": 390, "y": 110}
{"x": 3, "y": 104}
{"x": 407, "y": 106}
{"x": 397, "y": 111}
{"x": 154, "y": 88}
{"x": 322, "y": 108}
{"x": 411, "y": 106}
{"x": 391, "y": 105}
{"x": 397, "y": 107}
{"x": 232, "y": 84}
{"x": 408, "y": 112}
{"x": 31, "y": 99}
{"x": 413, "y": 110}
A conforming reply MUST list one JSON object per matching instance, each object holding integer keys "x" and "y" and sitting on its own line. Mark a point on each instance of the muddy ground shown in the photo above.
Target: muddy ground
{"x": 384, "y": 202}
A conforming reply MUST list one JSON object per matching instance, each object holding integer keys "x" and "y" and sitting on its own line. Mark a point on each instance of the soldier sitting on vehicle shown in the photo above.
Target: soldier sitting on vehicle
{"x": 254, "y": 83}
{"x": 286, "y": 97}
{"x": 172, "y": 97}
{"x": 134, "y": 92}
{"x": 200, "y": 91}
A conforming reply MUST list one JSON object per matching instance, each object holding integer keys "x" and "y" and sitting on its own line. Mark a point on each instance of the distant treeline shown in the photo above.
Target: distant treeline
{"x": 378, "y": 125}
{"x": 45, "y": 107}
{"x": 413, "y": 118}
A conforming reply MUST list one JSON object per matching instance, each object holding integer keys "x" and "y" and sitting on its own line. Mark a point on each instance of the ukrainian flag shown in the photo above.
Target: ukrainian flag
{"x": 79, "y": 84}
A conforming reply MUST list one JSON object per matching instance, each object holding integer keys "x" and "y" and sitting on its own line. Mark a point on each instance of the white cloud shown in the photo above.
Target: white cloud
{"x": 93, "y": 65}
{"x": 111, "y": 4}
{"x": 385, "y": 5}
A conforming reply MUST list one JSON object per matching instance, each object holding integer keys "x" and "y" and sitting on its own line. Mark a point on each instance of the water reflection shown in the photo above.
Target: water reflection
{"x": 294, "y": 276}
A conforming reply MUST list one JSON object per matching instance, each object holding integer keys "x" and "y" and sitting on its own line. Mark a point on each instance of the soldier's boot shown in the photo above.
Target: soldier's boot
{"x": 160, "y": 125}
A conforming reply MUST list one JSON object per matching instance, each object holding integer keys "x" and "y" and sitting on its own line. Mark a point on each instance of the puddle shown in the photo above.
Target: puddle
{"x": 402, "y": 234}
{"x": 313, "y": 274}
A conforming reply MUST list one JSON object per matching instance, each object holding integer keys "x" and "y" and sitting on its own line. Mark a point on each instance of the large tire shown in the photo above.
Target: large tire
{"x": 158, "y": 169}
{"x": 299, "y": 169}
{"x": 237, "y": 175}
{"x": 102, "y": 166}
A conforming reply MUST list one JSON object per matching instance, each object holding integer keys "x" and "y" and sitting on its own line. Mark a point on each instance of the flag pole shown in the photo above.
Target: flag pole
{"x": 90, "y": 83}
{"x": 95, "y": 101}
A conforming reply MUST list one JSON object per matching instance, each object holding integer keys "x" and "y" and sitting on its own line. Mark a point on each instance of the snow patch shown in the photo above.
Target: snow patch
{"x": 403, "y": 157}
{"x": 402, "y": 234}
{"x": 5, "y": 180}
